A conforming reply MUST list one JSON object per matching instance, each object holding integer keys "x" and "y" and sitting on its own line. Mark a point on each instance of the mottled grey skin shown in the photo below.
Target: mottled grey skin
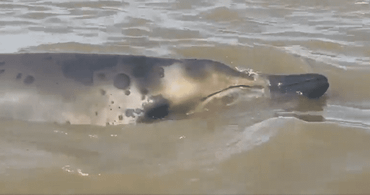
{"x": 144, "y": 88}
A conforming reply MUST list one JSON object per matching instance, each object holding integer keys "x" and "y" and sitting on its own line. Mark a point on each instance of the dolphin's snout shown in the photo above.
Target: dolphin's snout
{"x": 308, "y": 85}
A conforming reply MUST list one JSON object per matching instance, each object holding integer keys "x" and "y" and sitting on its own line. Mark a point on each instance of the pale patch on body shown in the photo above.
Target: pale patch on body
{"x": 177, "y": 87}
{"x": 86, "y": 108}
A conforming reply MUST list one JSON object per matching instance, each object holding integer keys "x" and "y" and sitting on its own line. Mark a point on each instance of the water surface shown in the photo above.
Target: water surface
{"x": 251, "y": 148}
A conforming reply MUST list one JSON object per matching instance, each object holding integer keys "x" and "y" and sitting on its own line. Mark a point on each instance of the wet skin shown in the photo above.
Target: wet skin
{"x": 169, "y": 85}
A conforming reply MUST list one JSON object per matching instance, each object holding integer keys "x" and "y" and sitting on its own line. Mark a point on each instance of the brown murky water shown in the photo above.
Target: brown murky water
{"x": 240, "y": 150}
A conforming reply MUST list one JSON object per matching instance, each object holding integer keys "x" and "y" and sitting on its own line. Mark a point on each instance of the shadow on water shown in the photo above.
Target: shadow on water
{"x": 309, "y": 110}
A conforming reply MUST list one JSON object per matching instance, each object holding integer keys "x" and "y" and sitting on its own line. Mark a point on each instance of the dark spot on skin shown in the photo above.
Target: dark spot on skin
{"x": 127, "y": 92}
{"x": 96, "y": 113}
{"x": 2, "y": 63}
{"x": 111, "y": 109}
{"x": 144, "y": 91}
{"x": 120, "y": 117}
{"x": 2, "y": 71}
{"x": 143, "y": 97}
{"x": 112, "y": 102}
{"x": 102, "y": 92}
{"x": 130, "y": 113}
{"x": 101, "y": 76}
{"x": 121, "y": 81}
{"x": 68, "y": 122}
{"x": 107, "y": 124}
{"x": 19, "y": 76}
{"x": 119, "y": 107}
{"x": 29, "y": 80}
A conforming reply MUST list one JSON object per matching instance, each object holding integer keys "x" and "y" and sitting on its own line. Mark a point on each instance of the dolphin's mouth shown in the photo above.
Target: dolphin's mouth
{"x": 231, "y": 87}
{"x": 312, "y": 86}
{"x": 229, "y": 96}
{"x": 309, "y": 85}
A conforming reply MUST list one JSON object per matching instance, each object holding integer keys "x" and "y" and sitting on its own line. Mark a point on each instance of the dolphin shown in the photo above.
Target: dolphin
{"x": 103, "y": 89}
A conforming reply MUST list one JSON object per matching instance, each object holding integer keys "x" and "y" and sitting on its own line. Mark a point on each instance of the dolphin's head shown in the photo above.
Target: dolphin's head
{"x": 196, "y": 85}
{"x": 253, "y": 85}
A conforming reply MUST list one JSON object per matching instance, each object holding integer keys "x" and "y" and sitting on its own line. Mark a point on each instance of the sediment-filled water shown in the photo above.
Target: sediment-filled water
{"x": 309, "y": 146}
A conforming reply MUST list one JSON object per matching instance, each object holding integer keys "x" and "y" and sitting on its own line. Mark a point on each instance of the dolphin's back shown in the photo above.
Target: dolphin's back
{"x": 96, "y": 88}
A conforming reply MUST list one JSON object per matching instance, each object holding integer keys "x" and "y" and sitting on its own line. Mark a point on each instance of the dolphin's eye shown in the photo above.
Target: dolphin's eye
{"x": 158, "y": 112}
{"x": 156, "y": 108}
